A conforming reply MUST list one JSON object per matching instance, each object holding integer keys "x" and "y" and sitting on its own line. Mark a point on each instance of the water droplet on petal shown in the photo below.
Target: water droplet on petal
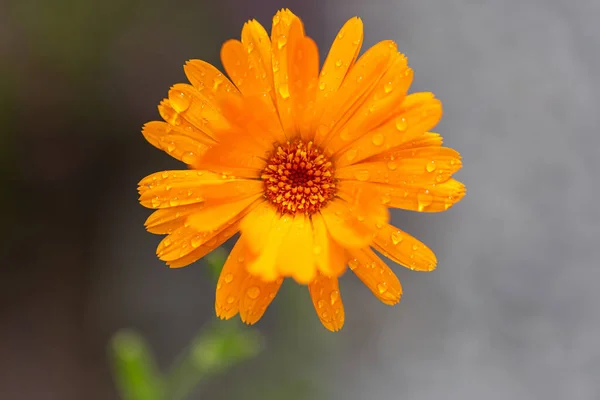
{"x": 340, "y": 35}
{"x": 334, "y": 296}
{"x": 196, "y": 241}
{"x": 317, "y": 250}
{"x": 165, "y": 175}
{"x": 320, "y": 304}
{"x": 378, "y": 139}
{"x": 189, "y": 158}
{"x": 385, "y": 199}
{"x": 362, "y": 175}
{"x": 228, "y": 278}
{"x": 253, "y": 292}
{"x": 281, "y": 42}
{"x": 424, "y": 200}
{"x": 276, "y": 20}
{"x": 382, "y": 287}
{"x": 156, "y": 202}
{"x": 430, "y": 167}
{"x": 396, "y": 237}
{"x": 250, "y": 47}
{"x": 284, "y": 90}
{"x": 392, "y": 165}
{"x": 388, "y": 87}
{"x": 401, "y": 124}
{"x": 351, "y": 154}
{"x": 179, "y": 101}
{"x": 353, "y": 264}
{"x": 338, "y": 63}
{"x": 174, "y": 202}
{"x": 230, "y": 299}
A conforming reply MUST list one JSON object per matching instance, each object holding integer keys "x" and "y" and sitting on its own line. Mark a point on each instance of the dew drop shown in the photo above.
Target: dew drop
{"x": 188, "y": 158}
{"x": 230, "y": 299}
{"x": 228, "y": 278}
{"x": 250, "y": 47}
{"x": 353, "y": 264}
{"x": 351, "y": 154}
{"x": 340, "y": 35}
{"x": 284, "y": 91}
{"x": 281, "y": 42}
{"x": 217, "y": 81}
{"x": 338, "y": 63}
{"x": 276, "y": 20}
{"x": 378, "y": 139}
{"x": 387, "y": 88}
{"x": 253, "y": 292}
{"x": 320, "y": 304}
{"x": 171, "y": 147}
{"x": 385, "y": 199}
{"x": 430, "y": 167}
{"x": 334, "y": 297}
{"x": 196, "y": 241}
{"x": 174, "y": 202}
{"x": 401, "y": 124}
{"x": 165, "y": 175}
{"x": 179, "y": 101}
{"x": 362, "y": 175}
{"x": 382, "y": 287}
{"x": 392, "y": 165}
{"x": 424, "y": 200}
{"x": 241, "y": 259}
{"x": 415, "y": 247}
{"x": 396, "y": 237}
{"x": 321, "y": 85}
{"x": 317, "y": 250}
{"x": 167, "y": 242}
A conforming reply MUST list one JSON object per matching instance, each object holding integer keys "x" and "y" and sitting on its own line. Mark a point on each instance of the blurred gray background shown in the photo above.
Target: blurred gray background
{"x": 510, "y": 313}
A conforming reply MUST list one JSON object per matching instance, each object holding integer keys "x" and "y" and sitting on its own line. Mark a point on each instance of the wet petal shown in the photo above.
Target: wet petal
{"x": 404, "y": 249}
{"x": 209, "y": 81}
{"x": 265, "y": 263}
{"x": 255, "y": 297}
{"x": 212, "y": 216}
{"x": 422, "y": 165}
{"x": 325, "y": 295}
{"x": 258, "y": 46}
{"x": 376, "y": 275}
{"x": 166, "y": 220}
{"x": 231, "y": 280}
{"x": 296, "y": 252}
{"x": 418, "y": 113}
{"x": 330, "y": 257}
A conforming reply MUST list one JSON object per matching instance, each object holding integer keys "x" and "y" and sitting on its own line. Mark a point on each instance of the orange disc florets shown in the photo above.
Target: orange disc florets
{"x": 298, "y": 178}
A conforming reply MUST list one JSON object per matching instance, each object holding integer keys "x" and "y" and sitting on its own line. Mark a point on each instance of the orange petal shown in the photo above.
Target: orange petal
{"x": 377, "y": 106}
{"x": 280, "y": 32}
{"x": 360, "y": 81}
{"x": 330, "y": 257}
{"x": 418, "y": 113}
{"x": 417, "y": 197}
{"x": 296, "y": 252}
{"x": 255, "y": 297}
{"x": 376, "y": 275}
{"x": 425, "y": 165}
{"x": 231, "y": 281}
{"x": 209, "y": 81}
{"x": 428, "y": 139}
{"x": 303, "y": 71}
{"x": 177, "y": 188}
{"x": 352, "y": 224}
{"x": 341, "y": 57}
{"x": 265, "y": 263}
{"x": 258, "y": 46}
{"x": 218, "y": 237}
{"x": 166, "y": 220}
{"x": 211, "y": 217}
{"x": 325, "y": 295}
{"x": 233, "y": 159}
{"x": 404, "y": 249}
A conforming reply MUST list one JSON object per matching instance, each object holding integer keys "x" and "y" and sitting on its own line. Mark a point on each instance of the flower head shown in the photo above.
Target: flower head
{"x": 303, "y": 163}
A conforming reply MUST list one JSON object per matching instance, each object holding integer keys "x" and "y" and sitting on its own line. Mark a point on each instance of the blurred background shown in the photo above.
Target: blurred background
{"x": 512, "y": 310}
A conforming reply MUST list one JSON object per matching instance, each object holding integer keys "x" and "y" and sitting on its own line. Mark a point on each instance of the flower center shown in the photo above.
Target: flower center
{"x": 298, "y": 178}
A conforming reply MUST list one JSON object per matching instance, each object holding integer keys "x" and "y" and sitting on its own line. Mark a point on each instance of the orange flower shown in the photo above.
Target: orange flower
{"x": 305, "y": 164}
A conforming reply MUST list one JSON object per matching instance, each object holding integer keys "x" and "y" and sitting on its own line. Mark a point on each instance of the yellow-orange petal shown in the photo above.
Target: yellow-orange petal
{"x": 231, "y": 281}
{"x": 265, "y": 262}
{"x": 376, "y": 275}
{"x": 166, "y": 220}
{"x": 258, "y": 46}
{"x": 177, "y": 188}
{"x": 416, "y": 197}
{"x": 378, "y": 104}
{"x": 255, "y": 297}
{"x": 209, "y": 81}
{"x": 341, "y": 57}
{"x": 330, "y": 257}
{"x": 427, "y": 139}
{"x": 303, "y": 71}
{"x": 352, "y": 224}
{"x": 404, "y": 249}
{"x": 325, "y": 295}
{"x": 356, "y": 87}
{"x": 282, "y": 21}
{"x": 418, "y": 113}
{"x": 219, "y": 236}
{"x": 296, "y": 252}
{"x": 211, "y": 217}
{"x": 422, "y": 165}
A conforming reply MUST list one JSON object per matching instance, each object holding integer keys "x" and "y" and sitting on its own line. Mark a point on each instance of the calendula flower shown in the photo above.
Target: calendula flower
{"x": 303, "y": 163}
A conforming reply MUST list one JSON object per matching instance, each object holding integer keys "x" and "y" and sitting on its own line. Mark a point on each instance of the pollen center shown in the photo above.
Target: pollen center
{"x": 299, "y": 178}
